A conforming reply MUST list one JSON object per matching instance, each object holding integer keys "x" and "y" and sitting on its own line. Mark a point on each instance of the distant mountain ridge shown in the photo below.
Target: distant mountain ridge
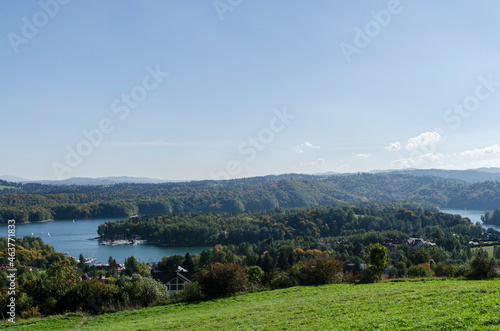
{"x": 90, "y": 181}
{"x": 468, "y": 176}
{"x": 37, "y": 202}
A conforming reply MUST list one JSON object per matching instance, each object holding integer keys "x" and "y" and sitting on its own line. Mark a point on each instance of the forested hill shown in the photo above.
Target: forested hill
{"x": 35, "y": 202}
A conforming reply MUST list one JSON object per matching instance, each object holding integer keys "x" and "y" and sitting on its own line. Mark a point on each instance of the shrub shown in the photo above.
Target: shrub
{"x": 90, "y": 296}
{"x": 445, "y": 270}
{"x": 319, "y": 270}
{"x": 418, "y": 271}
{"x": 222, "y": 279}
{"x": 282, "y": 279}
{"x": 255, "y": 274}
{"x": 191, "y": 292}
{"x": 142, "y": 291}
{"x": 367, "y": 276}
{"x": 482, "y": 267}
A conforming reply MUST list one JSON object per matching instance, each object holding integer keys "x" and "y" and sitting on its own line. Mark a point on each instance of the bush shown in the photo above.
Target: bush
{"x": 445, "y": 270}
{"x": 461, "y": 270}
{"x": 482, "y": 267}
{"x": 90, "y": 296}
{"x": 142, "y": 291}
{"x": 223, "y": 279}
{"x": 418, "y": 271}
{"x": 192, "y": 292}
{"x": 255, "y": 274}
{"x": 367, "y": 276}
{"x": 282, "y": 279}
{"x": 319, "y": 270}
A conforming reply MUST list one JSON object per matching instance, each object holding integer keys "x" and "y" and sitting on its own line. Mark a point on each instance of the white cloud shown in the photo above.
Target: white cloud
{"x": 418, "y": 160}
{"x": 364, "y": 155}
{"x": 300, "y": 148}
{"x": 495, "y": 149}
{"x": 308, "y": 144}
{"x": 394, "y": 146}
{"x": 422, "y": 140}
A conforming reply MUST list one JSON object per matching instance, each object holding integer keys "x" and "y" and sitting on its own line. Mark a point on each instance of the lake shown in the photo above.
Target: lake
{"x": 77, "y": 238}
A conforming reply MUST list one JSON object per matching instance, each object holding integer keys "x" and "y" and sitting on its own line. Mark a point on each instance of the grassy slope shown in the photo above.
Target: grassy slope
{"x": 431, "y": 305}
{"x": 489, "y": 249}
{"x": 3, "y": 187}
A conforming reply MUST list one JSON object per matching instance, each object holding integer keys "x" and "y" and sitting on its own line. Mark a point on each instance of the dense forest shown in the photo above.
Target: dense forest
{"x": 37, "y": 202}
{"x": 210, "y": 228}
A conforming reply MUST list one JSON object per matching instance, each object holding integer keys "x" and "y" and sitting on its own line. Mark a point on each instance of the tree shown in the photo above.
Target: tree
{"x": 113, "y": 267}
{"x": 282, "y": 261}
{"x": 81, "y": 264}
{"x": 170, "y": 263}
{"x": 223, "y": 279}
{"x": 255, "y": 274}
{"x": 482, "y": 267}
{"x": 418, "y": 271}
{"x": 377, "y": 259}
{"x": 132, "y": 266}
{"x": 320, "y": 270}
{"x": 188, "y": 263}
{"x": 266, "y": 262}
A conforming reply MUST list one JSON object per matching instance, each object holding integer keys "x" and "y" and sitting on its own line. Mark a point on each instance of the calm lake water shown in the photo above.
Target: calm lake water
{"x": 77, "y": 238}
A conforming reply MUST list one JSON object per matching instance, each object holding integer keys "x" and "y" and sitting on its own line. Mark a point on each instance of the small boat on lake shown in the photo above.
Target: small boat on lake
{"x": 89, "y": 260}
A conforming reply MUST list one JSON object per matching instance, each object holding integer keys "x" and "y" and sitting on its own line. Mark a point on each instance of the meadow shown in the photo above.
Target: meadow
{"x": 409, "y": 305}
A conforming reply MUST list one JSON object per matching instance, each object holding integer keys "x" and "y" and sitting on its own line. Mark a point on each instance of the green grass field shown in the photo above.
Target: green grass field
{"x": 425, "y": 305}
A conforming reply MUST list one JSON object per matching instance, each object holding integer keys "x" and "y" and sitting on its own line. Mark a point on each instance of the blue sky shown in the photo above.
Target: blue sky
{"x": 224, "y": 89}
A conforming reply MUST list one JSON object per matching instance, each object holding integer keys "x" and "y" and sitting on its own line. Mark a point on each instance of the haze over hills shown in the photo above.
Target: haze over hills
{"x": 90, "y": 181}
{"x": 468, "y": 176}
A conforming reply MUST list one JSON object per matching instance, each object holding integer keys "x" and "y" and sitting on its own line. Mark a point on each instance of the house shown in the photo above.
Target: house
{"x": 175, "y": 280}
{"x": 415, "y": 242}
